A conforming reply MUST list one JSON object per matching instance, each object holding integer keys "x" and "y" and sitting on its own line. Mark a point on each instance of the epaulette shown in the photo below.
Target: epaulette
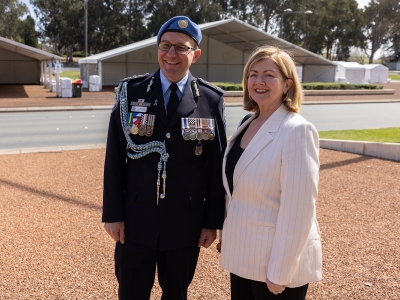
{"x": 210, "y": 85}
{"x": 134, "y": 77}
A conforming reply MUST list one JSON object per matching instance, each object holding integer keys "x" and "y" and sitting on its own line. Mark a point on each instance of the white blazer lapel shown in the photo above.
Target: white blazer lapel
{"x": 228, "y": 148}
{"x": 261, "y": 139}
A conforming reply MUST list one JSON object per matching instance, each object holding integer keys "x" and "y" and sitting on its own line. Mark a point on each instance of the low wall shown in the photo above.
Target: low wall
{"x": 381, "y": 150}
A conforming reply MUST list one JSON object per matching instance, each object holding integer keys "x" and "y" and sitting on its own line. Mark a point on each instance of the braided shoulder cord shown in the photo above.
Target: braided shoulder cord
{"x": 145, "y": 149}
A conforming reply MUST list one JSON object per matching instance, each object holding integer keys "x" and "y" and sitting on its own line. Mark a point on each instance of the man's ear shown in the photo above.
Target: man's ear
{"x": 196, "y": 55}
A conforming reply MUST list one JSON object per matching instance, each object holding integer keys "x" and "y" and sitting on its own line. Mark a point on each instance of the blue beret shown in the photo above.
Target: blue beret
{"x": 181, "y": 24}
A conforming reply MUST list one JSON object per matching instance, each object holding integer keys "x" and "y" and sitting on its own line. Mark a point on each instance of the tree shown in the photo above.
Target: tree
{"x": 27, "y": 32}
{"x": 240, "y": 9}
{"x": 108, "y": 25}
{"x": 60, "y": 23}
{"x": 332, "y": 29}
{"x": 135, "y": 20}
{"x": 200, "y": 11}
{"x": 381, "y": 25}
{"x": 10, "y": 13}
{"x": 267, "y": 13}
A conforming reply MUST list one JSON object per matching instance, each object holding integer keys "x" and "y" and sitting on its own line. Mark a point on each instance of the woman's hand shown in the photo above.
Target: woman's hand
{"x": 275, "y": 288}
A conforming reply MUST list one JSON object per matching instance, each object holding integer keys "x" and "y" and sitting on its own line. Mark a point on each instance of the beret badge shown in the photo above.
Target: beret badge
{"x": 183, "y": 23}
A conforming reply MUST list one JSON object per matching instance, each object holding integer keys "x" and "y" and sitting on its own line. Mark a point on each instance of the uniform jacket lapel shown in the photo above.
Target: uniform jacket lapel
{"x": 157, "y": 100}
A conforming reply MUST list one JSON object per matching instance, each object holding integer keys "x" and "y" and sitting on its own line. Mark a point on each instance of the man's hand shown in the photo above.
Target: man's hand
{"x": 207, "y": 237}
{"x": 116, "y": 231}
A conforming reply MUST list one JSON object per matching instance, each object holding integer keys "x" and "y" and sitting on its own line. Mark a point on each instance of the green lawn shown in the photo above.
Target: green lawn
{"x": 382, "y": 135}
{"x": 70, "y": 74}
{"x": 394, "y": 77}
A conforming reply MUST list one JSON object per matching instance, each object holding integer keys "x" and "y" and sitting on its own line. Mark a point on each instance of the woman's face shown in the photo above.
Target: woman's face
{"x": 266, "y": 84}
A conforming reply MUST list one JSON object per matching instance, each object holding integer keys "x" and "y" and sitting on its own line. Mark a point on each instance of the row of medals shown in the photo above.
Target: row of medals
{"x": 198, "y": 129}
{"x": 142, "y": 124}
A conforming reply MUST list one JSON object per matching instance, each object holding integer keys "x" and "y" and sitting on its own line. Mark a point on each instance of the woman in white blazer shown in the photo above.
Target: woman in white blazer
{"x": 270, "y": 240}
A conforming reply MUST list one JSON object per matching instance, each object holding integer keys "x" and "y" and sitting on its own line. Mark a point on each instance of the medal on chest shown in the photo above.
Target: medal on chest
{"x": 198, "y": 129}
{"x": 139, "y": 122}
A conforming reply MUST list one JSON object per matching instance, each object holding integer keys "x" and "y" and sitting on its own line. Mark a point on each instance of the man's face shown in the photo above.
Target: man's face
{"x": 175, "y": 66}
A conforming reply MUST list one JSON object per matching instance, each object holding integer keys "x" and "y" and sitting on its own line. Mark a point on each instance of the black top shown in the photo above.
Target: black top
{"x": 232, "y": 159}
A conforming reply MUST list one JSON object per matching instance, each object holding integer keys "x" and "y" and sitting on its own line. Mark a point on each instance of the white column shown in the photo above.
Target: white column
{"x": 101, "y": 76}
{"x": 51, "y": 73}
{"x": 42, "y": 78}
{"x": 48, "y": 73}
{"x": 58, "y": 89}
{"x": 87, "y": 73}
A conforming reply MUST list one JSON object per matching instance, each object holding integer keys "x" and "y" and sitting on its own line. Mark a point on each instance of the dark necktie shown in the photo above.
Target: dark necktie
{"x": 173, "y": 101}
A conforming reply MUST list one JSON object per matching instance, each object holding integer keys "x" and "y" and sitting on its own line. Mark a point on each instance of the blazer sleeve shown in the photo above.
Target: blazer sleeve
{"x": 297, "y": 211}
{"x": 114, "y": 168}
{"x": 215, "y": 204}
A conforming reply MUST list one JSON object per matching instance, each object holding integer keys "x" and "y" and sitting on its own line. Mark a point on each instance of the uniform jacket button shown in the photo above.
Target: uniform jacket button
{"x": 168, "y": 135}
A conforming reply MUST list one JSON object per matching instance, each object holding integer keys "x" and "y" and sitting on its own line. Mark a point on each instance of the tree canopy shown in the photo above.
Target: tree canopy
{"x": 11, "y": 12}
{"x": 333, "y": 29}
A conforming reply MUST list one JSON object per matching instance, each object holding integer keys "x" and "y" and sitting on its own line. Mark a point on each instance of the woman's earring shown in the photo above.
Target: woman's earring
{"x": 284, "y": 97}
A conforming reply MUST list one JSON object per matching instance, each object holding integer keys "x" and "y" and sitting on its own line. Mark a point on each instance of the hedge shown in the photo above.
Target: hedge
{"x": 339, "y": 86}
{"x": 230, "y": 86}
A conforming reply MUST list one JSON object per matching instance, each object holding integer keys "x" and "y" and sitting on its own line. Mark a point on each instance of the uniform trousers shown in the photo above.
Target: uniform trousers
{"x": 247, "y": 289}
{"x": 135, "y": 267}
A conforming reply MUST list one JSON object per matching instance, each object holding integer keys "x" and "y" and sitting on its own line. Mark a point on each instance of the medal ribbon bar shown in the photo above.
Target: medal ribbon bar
{"x": 140, "y": 151}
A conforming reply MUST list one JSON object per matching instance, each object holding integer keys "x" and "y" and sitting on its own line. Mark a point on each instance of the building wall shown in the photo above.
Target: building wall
{"x": 318, "y": 73}
{"x": 225, "y": 64}
{"x": 218, "y": 63}
{"x": 355, "y": 76}
{"x": 18, "y": 69}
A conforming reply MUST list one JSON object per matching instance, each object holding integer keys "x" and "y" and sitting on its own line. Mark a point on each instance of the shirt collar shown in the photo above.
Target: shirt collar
{"x": 165, "y": 83}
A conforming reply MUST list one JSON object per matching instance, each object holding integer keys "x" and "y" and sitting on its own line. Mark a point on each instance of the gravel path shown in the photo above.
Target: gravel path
{"x": 53, "y": 246}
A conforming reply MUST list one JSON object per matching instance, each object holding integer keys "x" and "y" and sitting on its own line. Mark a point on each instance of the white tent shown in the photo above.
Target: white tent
{"x": 350, "y": 72}
{"x": 226, "y": 46}
{"x": 22, "y": 64}
{"x": 376, "y": 73}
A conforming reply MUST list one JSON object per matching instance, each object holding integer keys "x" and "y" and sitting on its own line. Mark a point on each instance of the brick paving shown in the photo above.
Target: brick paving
{"x": 54, "y": 246}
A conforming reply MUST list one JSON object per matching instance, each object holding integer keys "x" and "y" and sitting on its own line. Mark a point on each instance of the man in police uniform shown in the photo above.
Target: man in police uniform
{"x": 163, "y": 193}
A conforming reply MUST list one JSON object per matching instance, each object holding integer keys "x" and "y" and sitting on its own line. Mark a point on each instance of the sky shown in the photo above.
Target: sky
{"x": 362, "y": 3}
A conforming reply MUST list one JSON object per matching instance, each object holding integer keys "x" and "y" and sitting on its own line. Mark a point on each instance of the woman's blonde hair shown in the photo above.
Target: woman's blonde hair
{"x": 287, "y": 67}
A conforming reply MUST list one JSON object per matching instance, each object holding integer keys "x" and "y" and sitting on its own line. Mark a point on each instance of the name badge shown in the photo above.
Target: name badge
{"x": 142, "y": 109}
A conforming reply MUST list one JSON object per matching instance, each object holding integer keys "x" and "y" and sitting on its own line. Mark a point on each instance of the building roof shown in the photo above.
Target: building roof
{"x": 94, "y": 59}
{"x": 232, "y": 32}
{"x": 26, "y": 50}
{"x": 350, "y": 64}
{"x": 373, "y": 66}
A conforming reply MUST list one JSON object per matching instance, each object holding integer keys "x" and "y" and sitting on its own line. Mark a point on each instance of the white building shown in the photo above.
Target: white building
{"x": 376, "y": 73}
{"x": 350, "y": 72}
{"x": 22, "y": 64}
{"x": 226, "y": 46}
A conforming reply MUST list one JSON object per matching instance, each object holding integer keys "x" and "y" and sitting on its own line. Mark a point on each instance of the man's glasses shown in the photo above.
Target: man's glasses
{"x": 179, "y": 48}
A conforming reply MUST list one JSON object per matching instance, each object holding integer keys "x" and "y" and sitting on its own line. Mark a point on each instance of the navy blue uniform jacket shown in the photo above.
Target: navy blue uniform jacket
{"x": 194, "y": 192}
